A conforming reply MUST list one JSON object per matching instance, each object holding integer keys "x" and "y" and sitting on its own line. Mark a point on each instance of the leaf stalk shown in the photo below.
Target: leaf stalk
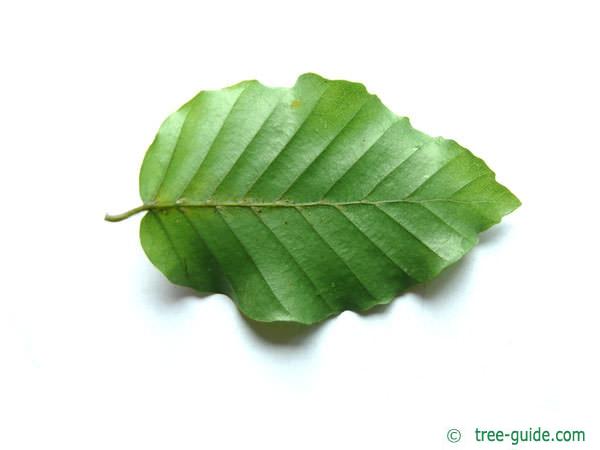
{"x": 126, "y": 214}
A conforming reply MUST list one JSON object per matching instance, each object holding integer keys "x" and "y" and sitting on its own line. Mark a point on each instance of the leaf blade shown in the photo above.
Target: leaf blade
{"x": 300, "y": 203}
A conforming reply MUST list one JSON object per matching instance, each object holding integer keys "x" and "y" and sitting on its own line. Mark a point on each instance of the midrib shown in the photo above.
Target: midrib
{"x": 275, "y": 204}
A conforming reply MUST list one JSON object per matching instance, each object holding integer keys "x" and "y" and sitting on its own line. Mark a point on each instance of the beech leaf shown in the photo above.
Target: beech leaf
{"x": 304, "y": 202}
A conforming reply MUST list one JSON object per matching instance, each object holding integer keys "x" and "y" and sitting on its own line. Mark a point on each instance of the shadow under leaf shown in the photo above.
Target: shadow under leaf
{"x": 288, "y": 334}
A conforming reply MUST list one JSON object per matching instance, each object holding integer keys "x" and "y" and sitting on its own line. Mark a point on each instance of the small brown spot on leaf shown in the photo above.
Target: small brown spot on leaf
{"x": 296, "y": 103}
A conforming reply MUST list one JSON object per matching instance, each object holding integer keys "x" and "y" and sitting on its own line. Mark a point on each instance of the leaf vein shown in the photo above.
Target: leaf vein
{"x": 414, "y": 235}
{"x": 212, "y": 144}
{"x": 337, "y": 135}
{"x": 272, "y": 232}
{"x": 172, "y": 156}
{"x": 483, "y": 175}
{"x": 288, "y": 141}
{"x": 253, "y": 261}
{"x": 211, "y": 253}
{"x": 342, "y": 260}
{"x": 398, "y": 166}
{"x": 172, "y": 244}
{"x": 349, "y": 219}
{"x": 277, "y": 104}
{"x": 340, "y": 179}
{"x": 462, "y": 235}
{"x": 432, "y": 176}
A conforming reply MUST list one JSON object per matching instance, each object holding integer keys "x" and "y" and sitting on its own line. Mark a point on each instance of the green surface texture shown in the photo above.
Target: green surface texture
{"x": 303, "y": 202}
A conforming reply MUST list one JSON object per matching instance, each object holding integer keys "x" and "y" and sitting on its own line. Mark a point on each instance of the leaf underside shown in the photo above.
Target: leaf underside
{"x": 304, "y": 202}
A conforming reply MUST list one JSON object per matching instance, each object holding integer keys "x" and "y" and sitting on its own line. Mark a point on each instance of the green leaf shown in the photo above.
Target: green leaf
{"x": 301, "y": 203}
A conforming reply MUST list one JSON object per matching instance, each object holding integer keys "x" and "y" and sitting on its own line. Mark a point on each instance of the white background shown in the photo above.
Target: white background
{"x": 99, "y": 351}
